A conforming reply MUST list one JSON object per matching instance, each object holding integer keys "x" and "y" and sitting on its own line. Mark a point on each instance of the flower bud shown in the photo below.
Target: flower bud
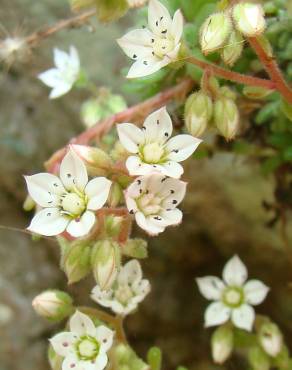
{"x": 115, "y": 195}
{"x": 249, "y": 19}
{"x": 135, "y": 248}
{"x": 227, "y": 92}
{"x": 226, "y": 117}
{"x": 112, "y": 225}
{"x": 233, "y": 48}
{"x": 271, "y": 338}
{"x": 75, "y": 259}
{"x": 198, "y": 111}
{"x": 96, "y": 160}
{"x": 54, "y": 305}
{"x": 222, "y": 344}
{"x": 215, "y": 31}
{"x": 29, "y": 204}
{"x": 154, "y": 358}
{"x": 258, "y": 359}
{"x": 106, "y": 260}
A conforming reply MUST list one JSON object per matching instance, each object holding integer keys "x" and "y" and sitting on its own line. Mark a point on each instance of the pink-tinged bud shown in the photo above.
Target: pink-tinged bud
{"x": 233, "y": 48}
{"x": 249, "y": 19}
{"x": 271, "y": 339}
{"x": 222, "y": 344}
{"x": 215, "y": 31}
{"x": 226, "y": 117}
{"x": 198, "y": 112}
{"x": 53, "y": 305}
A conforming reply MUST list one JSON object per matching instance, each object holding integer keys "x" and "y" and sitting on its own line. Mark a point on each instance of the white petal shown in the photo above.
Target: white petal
{"x": 48, "y": 222}
{"x": 235, "y": 272}
{"x": 131, "y": 203}
{"x": 180, "y": 147}
{"x": 159, "y": 18}
{"x": 51, "y": 77}
{"x": 81, "y": 226}
{"x": 173, "y": 193}
{"x": 61, "y": 59}
{"x": 172, "y": 217}
{"x": 255, "y": 292}
{"x": 130, "y": 273}
{"x": 105, "y": 337}
{"x": 82, "y": 324}
{"x": 137, "y": 43}
{"x": 138, "y": 186}
{"x": 137, "y": 168}
{"x": 130, "y": 136}
{"x": 147, "y": 224}
{"x": 243, "y": 317}
{"x": 158, "y": 126}
{"x": 171, "y": 169}
{"x": 97, "y": 191}
{"x": 210, "y": 287}
{"x": 141, "y": 289}
{"x": 216, "y": 314}
{"x": 146, "y": 66}
{"x": 45, "y": 189}
{"x": 61, "y": 89}
{"x": 63, "y": 343}
{"x": 118, "y": 308}
{"x": 103, "y": 297}
{"x": 73, "y": 171}
{"x": 74, "y": 58}
{"x": 71, "y": 362}
{"x": 177, "y": 26}
{"x": 101, "y": 361}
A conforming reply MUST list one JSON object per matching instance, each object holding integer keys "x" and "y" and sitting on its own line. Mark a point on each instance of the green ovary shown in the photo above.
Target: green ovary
{"x": 233, "y": 297}
{"x": 87, "y": 348}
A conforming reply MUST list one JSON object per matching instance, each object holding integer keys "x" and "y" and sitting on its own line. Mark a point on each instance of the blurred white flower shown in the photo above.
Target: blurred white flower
{"x": 155, "y": 48}
{"x": 62, "y": 78}
{"x": 128, "y": 291}
{"x": 85, "y": 346}
{"x": 136, "y": 3}
{"x": 153, "y": 200}
{"x": 69, "y": 202}
{"x": 233, "y": 296}
{"x": 154, "y": 150}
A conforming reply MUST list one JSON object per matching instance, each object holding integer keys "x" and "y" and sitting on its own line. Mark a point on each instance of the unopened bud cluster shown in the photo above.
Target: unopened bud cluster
{"x": 224, "y": 30}
{"x": 202, "y": 109}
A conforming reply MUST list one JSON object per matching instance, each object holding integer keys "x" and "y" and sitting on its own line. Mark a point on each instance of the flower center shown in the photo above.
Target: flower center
{"x": 73, "y": 204}
{"x": 149, "y": 204}
{"x": 87, "y": 348}
{"x": 152, "y": 152}
{"x": 233, "y": 296}
{"x": 162, "y": 46}
{"x": 123, "y": 294}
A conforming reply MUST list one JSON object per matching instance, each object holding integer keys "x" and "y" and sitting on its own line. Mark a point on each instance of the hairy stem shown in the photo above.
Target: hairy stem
{"x": 230, "y": 75}
{"x": 272, "y": 69}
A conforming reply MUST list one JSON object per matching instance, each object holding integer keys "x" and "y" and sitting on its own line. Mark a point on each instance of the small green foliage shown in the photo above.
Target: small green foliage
{"x": 154, "y": 358}
{"x": 135, "y": 248}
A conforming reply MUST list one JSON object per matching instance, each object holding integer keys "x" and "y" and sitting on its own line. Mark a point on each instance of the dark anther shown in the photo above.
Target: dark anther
{"x": 174, "y": 201}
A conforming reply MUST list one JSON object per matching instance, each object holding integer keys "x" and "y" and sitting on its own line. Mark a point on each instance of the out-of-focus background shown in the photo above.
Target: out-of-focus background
{"x": 223, "y": 211}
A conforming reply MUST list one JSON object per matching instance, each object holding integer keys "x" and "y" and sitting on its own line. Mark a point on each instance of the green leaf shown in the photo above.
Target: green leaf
{"x": 286, "y": 108}
{"x": 271, "y": 164}
{"x": 280, "y": 140}
{"x": 267, "y": 112}
{"x": 287, "y": 155}
{"x": 154, "y": 358}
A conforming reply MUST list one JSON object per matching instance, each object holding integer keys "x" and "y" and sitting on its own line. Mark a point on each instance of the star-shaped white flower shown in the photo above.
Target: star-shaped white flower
{"x": 69, "y": 202}
{"x": 62, "y": 78}
{"x": 234, "y": 297}
{"x": 85, "y": 346}
{"x": 153, "y": 48}
{"x": 128, "y": 291}
{"x": 154, "y": 150}
{"x": 153, "y": 200}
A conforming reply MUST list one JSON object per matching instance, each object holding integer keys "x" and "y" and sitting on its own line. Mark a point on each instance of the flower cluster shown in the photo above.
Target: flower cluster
{"x": 156, "y": 47}
{"x": 127, "y": 292}
{"x": 233, "y": 297}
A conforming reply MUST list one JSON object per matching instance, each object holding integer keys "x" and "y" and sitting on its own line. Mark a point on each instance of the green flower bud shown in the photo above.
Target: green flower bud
{"x": 112, "y": 225}
{"x": 106, "y": 261}
{"x": 249, "y": 19}
{"x": 227, "y": 92}
{"x": 115, "y": 195}
{"x": 135, "y": 248}
{"x": 256, "y": 92}
{"x": 215, "y": 31}
{"x": 91, "y": 112}
{"x": 233, "y": 48}
{"x": 29, "y": 204}
{"x": 111, "y": 10}
{"x": 226, "y": 117}
{"x": 258, "y": 359}
{"x": 154, "y": 358}
{"x": 75, "y": 259}
{"x": 198, "y": 111}
{"x": 270, "y": 338}
{"x": 96, "y": 160}
{"x": 124, "y": 358}
{"x": 54, "y": 305}
{"x": 222, "y": 344}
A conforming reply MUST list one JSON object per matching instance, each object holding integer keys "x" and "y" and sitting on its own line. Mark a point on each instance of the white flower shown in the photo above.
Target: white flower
{"x": 128, "y": 291}
{"x": 154, "y": 151}
{"x": 69, "y": 202}
{"x": 62, "y": 78}
{"x": 85, "y": 346}
{"x": 233, "y": 296}
{"x": 153, "y": 200}
{"x": 155, "y": 48}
